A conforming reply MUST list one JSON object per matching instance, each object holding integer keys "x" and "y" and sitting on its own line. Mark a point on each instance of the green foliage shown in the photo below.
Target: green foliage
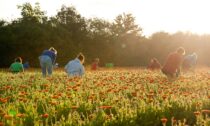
{"x": 124, "y": 97}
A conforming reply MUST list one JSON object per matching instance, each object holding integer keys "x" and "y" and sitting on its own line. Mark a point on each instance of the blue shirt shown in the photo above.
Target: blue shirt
{"x": 51, "y": 54}
{"x": 191, "y": 59}
{"x": 26, "y": 65}
{"x": 75, "y": 68}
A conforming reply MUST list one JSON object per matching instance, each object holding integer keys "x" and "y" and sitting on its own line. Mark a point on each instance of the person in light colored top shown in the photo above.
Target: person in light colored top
{"x": 17, "y": 66}
{"x": 172, "y": 66}
{"x": 47, "y": 60}
{"x": 189, "y": 62}
{"x": 75, "y": 67}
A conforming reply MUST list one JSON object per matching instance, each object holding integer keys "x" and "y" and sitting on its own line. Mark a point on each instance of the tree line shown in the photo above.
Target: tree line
{"x": 120, "y": 41}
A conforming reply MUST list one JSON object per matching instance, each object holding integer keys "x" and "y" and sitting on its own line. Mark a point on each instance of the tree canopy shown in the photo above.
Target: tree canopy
{"x": 120, "y": 41}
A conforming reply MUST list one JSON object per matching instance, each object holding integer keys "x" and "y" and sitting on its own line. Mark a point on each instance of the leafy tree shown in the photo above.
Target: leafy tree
{"x": 30, "y": 14}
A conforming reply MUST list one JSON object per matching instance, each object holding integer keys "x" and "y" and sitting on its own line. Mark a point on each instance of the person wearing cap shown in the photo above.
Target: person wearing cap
{"x": 95, "y": 63}
{"x": 154, "y": 64}
{"x": 171, "y": 68}
{"x": 17, "y": 66}
{"x": 189, "y": 62}
{"x": 47, "y": 60}
{"x": 75, "y": 68}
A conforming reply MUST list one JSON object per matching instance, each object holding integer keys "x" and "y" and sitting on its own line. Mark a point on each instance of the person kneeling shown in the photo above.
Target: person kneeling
{"x": 173, "y": 63}
{"x": 75, "y": 67}
{"x": 17, "y": 66}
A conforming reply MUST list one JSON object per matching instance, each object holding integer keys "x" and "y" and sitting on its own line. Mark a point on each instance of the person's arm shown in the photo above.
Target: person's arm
{"x": 66, "y": 67}
{"x": 82, "y": 70}
{"x": 55, "y": 56}
{"x": 10, "y": 68}
{"x": 180, "y": 61}
{"x": 22, "y": 68}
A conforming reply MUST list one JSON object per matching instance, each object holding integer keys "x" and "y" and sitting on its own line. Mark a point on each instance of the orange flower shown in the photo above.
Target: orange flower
{"x": 45, "y": 115}
{"x": 8, "y": 117}
{"x": 1, "y": 124}
{"x": 150, "y": 95}
{"x": 164, "y": 97}
{"x": 205, "y": 111}
{"x": 105, "y": 107}
{"x": 55, "y": 96}
{"x": 45, "y": 85}
{"x": 74, "y": 107}
{"x": 164, "y": 120}
{"x": 3, "y": 100}
{"x": 134, "y": 94}
{"x": 197, "y": 113}
{"x": 53, "y": 103}
{"x": 151, "y": 81}
{"x": 20, "y": 115}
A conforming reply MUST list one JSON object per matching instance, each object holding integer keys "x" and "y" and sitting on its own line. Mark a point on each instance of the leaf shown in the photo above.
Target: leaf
{"x": 12, "y": 112}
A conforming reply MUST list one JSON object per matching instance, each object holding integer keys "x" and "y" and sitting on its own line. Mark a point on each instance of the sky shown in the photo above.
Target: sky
{"x": 151, "y": 15}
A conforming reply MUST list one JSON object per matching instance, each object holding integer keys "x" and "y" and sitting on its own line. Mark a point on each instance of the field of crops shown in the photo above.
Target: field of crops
{"x": 119, "y": 97}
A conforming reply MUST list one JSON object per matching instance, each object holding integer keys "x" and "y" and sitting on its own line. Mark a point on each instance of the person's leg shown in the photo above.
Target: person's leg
{"x": 49, "y": 66}
{"x": 170, "y": 77}
{"x": 43, "y": 65}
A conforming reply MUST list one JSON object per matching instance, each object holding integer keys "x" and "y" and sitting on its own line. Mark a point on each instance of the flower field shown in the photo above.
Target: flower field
{"x": 118, "y": 97}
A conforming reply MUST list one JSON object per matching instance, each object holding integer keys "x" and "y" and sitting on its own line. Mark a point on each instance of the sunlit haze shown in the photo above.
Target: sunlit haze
{"x": 152, "y": 15}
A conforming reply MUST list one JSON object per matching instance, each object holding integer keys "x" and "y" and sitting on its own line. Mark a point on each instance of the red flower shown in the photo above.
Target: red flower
{"x": 164, "y": 120}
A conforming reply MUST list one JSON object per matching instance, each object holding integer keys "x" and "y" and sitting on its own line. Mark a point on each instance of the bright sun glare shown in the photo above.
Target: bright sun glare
{"x": 152, "y": 15}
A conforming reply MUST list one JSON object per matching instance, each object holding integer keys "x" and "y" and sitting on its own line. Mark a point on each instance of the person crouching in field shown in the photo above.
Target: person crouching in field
{"x": 75, "y": 68}
{"x": 47, "y": 59}
{"x": 17, "y": 66}
{"x": 189, "y": 62}
{"x": 95, "y": 63}
{"x": 172, "y": 66}
{"x": 154, "y": 64}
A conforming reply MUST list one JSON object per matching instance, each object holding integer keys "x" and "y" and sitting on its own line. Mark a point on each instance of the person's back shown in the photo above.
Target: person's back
{"x": 47, "y": 61}
{"x": 75, "y": 67}
{"x": 172, "y": 63}
{"x": 26, "y": 65}
{"x": 17, "y": 66}
{"x": 154, "y": 64}
{"x": 51, "y": 54}
{"x": 189, "y": 61}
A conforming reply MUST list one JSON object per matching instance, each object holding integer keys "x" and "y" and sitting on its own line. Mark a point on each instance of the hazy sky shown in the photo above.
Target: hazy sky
{"x": 151, "y": 15}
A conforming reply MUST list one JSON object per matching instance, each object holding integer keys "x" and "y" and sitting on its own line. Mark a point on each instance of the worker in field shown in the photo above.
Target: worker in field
{"x": 17, "y": 66}
{"x": 26, "y": 65}
{"x": 154, "y": 64}
{"x": 172, "y": 66}
{"x": 47, "y": 61}
{"x": 75, "y": 68}
{"x": 189, "y": 62}
{"x": 94, "y": 65}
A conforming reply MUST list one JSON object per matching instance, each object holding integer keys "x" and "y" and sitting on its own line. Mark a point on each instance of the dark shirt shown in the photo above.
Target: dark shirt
{"x": 51, "y": 54}
{"x": 173, "y": 63}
